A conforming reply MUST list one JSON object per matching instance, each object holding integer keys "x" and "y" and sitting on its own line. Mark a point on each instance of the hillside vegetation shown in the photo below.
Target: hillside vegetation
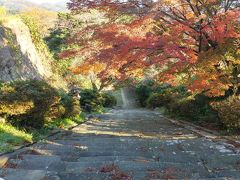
{"x": 16, "y": 6}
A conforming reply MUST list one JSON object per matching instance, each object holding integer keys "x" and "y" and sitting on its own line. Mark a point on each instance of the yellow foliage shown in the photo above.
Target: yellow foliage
{"x": 3, "y": 11}
{"x": 87, "y": 68}
{"x": 44, "y": 19}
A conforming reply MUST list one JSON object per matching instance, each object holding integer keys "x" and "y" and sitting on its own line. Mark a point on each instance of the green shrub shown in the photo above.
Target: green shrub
{"x": 192, "y": 108}
{"x": 178, "y": 103}
{"x": 173, "y": 107}
{"x": 185, "y": 108}
{"x": 164, "y": 95}
{"x": 93, "y": 101}
{"x": 146, "y": 89}
{"x": 71, "y": 104}
{"x": 143, "y": 92}
{"x": 108, "y": 100}
{"x": 229, "y": 111}
{"x": 158, "y": 100}
{"x": 9, "y": 107}
{"x": 30, "y": 103}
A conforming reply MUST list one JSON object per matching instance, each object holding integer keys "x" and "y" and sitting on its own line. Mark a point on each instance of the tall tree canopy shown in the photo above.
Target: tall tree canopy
{"x": 195, "y": 42}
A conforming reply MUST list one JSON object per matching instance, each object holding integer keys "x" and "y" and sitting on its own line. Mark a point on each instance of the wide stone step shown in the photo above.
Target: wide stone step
{"x": 223, "y": 162}
{"x": 98, "y": 159}
{"x": 103, "y": 176}
{"x": 84, "y": 176}
{"x": 154, "y": 170}
{"x": 80, "y": 146}
{"x": 133, "y": 165}
{"x": 228, "y": 174}
{"x": 182, "y": 145}
{"x": 174, "y": 154}
{"x": 93, "y": 153}
{"x": 182, "y": 169}
{"x": 71, "y": 155}
{"x": 38, "y": 162}
{"x": 163, "y": 157}
{"x": 21, "y": 174}
{"x": 168, "y": 148}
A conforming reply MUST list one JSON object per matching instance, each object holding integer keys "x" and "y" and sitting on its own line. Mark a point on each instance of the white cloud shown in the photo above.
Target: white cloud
{"x": 47, "y": 1}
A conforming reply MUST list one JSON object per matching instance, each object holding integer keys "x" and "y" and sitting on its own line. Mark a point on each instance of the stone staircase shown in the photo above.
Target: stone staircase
{"x": 102, "y": 150}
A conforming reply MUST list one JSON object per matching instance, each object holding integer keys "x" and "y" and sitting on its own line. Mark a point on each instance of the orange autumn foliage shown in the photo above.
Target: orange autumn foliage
{"x": 174, "y": 37}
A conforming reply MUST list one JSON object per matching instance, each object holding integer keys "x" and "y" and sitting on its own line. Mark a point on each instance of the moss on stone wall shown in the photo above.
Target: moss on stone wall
{"x": 43, "y": 51}
{"x": 13, "y": 45}
{"x": 36, "y": 36}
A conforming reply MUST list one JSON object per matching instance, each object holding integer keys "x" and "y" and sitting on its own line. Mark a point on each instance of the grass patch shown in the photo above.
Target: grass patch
{"x": 101, "y": 110}
{"x": 11, "y": 137}
{"x": 65, "y": 123}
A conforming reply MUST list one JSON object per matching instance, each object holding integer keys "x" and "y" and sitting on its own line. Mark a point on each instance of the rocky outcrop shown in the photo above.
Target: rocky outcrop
{"x": 19, "y": 59}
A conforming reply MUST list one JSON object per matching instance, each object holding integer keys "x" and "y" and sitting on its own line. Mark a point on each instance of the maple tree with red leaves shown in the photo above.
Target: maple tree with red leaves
{"x": 192, "y": 41}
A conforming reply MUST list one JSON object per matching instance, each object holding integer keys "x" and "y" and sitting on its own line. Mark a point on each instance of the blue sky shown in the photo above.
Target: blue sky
{"x": 47, "y": 1}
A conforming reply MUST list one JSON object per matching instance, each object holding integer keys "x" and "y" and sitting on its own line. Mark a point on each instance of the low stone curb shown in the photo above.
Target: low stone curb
{"x": 213, "y": 135}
